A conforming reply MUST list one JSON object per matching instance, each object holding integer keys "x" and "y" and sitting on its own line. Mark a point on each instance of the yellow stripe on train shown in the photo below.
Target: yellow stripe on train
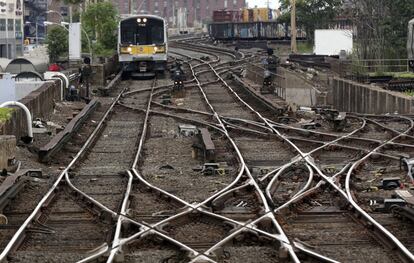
{"x": 142, "y": 50}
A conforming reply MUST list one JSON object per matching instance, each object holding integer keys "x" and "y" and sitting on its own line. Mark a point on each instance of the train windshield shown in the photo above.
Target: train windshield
{"x": 134, "y": 32}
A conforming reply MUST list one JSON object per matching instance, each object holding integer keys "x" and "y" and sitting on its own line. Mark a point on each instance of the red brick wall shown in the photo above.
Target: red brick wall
{"x": 203, "y": 9}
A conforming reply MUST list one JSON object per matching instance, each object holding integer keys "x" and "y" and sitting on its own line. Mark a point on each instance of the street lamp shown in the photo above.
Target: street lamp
{"x": 64, "y": 24}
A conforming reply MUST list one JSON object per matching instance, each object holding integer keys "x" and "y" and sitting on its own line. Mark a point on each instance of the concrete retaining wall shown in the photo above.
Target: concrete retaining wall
{"x": 102, "y": 71}
{"x": 40, "y": 103}
{"x": 296, "y": 90}
{"x": 7, "y": 150}
{"x": 24, "y": 88}
{"x": 351, "y": 96}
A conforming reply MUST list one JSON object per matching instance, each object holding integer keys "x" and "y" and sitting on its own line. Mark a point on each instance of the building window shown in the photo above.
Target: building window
{"x": 18, "y": 26}
{"x": 225, "y": 3}
{"x": 10, "y": 24}
{"x": 234, "y": 3}
{"x": 2, "y": 24}
{"x": 19, "y": 50}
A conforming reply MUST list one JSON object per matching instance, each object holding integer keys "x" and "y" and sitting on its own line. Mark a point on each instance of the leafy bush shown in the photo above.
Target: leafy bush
{"x": 5, "y": 114}
{"x": 100, "y": 21}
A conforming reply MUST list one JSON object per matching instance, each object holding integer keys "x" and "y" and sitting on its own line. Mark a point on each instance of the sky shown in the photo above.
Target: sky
{"x": 263, "y": 3}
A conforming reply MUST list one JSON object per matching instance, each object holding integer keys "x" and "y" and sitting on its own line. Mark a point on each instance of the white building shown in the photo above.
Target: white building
{"x": 11, "y": 28}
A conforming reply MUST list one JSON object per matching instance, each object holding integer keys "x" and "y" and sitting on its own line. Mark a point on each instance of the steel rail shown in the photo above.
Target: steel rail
{"x": 276, "y": 177}
{"x": 284, "y": 126}
{"x": 350, "y": 198}
{"x": 314, "y": 166}
{"x": 325, "y": 145}
{"x": 245, "y": 168}
{"x": 117, "y": 235}
{"x": 10, "y": 245}
{"x": 407, "y": 253}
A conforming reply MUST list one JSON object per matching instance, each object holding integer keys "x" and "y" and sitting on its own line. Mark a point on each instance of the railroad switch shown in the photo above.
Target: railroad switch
{"x": 186, "y": 130}
{"x": 204, "y": 146}
{"x": 338, "y": 119}
{"x": 387, "y": 204}
{"x": 390, "y": 183}
{"x": 310, "y": 125}
{"x": 166, "y": 99}
{"x": 212, "y": 169}
{"x": 401, "y": 203}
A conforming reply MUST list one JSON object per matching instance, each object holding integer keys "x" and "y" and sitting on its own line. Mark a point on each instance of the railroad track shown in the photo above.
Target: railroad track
{"x": 354, "y": 131}
{"x": 76, "y": 215}
{"x": 137, "y": 190}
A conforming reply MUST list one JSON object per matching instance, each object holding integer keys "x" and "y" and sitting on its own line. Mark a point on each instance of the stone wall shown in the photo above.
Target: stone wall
{"x": 40, "y": 103}
{"x": 351, "y": 96}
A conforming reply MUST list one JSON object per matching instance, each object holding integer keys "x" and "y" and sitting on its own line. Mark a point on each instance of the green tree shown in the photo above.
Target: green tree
{"x": 100, "y": 20}
{"x": 381, "y": 28}
{"x": 311, "y": 14}
{"x": 57, "y": 43}
{"x": 395, "y": 24}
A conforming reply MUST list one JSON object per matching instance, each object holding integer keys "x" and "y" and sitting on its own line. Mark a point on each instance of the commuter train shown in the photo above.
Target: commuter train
{"x": 410, "y": 44}
{"x": 143, "y": 45}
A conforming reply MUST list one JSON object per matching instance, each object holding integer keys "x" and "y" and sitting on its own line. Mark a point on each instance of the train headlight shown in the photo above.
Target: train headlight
{"x": 159, "y": 49}
{"x": 129, "y": 49}
{"x": 139, "y": 20}
{"x": 145, "y": 20}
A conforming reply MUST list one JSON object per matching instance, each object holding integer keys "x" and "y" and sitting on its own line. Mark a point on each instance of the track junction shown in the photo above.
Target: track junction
{"x": 217, "y": 173}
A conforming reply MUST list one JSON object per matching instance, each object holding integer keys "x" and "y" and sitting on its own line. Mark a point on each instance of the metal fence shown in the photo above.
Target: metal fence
{"x": 379, "y": 66}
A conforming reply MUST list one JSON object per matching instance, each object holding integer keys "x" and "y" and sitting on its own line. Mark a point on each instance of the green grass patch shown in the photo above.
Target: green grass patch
{"x": 5, "y": 114}
{"x": 305, "y": 47}
{"x": 409, "y": 93}
{"x": 402, "y": 75}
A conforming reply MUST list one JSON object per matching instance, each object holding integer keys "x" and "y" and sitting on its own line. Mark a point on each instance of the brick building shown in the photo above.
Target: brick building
{"x": 197, "y": 10}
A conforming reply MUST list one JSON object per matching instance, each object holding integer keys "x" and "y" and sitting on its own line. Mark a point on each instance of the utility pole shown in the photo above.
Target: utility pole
{"x": 173, "y": 14}
{"x": 130, "y": 7}
{"x": 293, "y": 44}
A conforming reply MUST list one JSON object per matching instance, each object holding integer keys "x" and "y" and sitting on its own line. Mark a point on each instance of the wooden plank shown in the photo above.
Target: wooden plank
{"x": 57, "y": 142}
{"x": 206, "y": 138}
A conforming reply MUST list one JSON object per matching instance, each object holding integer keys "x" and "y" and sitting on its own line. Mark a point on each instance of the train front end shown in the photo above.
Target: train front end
{"x": 143, "y": 45}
